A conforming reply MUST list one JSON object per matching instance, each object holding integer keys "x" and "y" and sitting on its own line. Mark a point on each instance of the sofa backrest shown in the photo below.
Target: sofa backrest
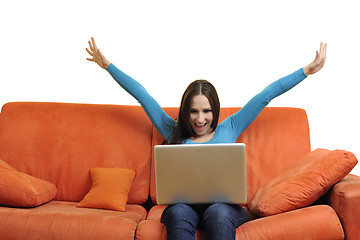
{"x": 60, "y": 142}
{"x": 274, "y": 141}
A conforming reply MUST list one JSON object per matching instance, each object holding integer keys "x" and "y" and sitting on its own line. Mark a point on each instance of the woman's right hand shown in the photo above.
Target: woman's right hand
{"x": 319, "y": 61}
{"x": 97, "y": 56}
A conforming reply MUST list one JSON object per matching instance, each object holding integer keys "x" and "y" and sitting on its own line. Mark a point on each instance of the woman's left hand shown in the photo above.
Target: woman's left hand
{"x": 97, "y": 56}
{"x": 319, "y": 61}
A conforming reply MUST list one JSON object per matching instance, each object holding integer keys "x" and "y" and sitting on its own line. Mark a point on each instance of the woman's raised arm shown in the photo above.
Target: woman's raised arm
{"x": 162, "y": 122}
{"x": 245, "y": 116}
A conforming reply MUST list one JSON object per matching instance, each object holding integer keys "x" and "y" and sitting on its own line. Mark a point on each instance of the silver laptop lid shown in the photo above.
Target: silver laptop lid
{"x": 200, "y": 173}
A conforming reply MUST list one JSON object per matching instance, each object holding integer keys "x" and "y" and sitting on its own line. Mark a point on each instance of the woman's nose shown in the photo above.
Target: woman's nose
{"x": 200, "y": 118}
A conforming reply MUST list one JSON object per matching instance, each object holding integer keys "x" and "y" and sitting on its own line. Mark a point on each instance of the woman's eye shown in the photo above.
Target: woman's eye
{"x": 207, "y": 110}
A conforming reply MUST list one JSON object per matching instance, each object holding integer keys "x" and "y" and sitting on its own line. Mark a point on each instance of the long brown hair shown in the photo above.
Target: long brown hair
{"x": 183, "y": 129}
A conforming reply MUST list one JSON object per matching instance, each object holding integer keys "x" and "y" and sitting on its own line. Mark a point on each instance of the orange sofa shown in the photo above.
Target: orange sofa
{"x": 48, "y": 153}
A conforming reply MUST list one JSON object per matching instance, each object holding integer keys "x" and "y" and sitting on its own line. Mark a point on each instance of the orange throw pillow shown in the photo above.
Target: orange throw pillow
{"x": 19, "y": 189}
{"x": 304, "y": 183}
{"x": 109, "y": 190}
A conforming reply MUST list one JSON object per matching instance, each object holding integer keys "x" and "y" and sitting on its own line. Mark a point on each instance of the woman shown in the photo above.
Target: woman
{"x": 198, "y": 123}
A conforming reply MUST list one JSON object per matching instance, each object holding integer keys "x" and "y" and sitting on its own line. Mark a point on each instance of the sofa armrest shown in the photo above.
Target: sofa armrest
{"x": 344, "y": 198}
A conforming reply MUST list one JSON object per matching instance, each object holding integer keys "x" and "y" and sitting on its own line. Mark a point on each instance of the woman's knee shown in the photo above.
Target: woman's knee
{"x": 220, "y": 213}
{"x": 179, "y": 212}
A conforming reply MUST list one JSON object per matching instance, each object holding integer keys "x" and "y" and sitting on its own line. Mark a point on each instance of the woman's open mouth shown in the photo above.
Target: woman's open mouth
{"x": 200, "y": 127}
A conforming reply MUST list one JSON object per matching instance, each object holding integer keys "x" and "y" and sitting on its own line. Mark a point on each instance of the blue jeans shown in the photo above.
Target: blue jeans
{"x": 219, "y": 221}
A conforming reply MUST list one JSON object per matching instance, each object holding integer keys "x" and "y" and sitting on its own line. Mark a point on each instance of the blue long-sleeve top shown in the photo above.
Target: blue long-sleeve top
{"x": 229, "y": 129}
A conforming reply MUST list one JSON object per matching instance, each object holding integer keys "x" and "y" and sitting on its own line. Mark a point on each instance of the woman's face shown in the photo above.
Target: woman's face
{"x": 201, "y": 115}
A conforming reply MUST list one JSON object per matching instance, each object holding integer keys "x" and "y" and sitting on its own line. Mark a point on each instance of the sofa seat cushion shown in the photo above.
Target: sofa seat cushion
{"x": 63, "y": 220}
{"x": 18, "y": 189}
{"x": 156, "y": 212}
{"x": 317, "y": 222}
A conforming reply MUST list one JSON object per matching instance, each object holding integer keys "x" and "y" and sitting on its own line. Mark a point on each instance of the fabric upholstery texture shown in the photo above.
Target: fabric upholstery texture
{"x": 63, "y": 220}
{"x": 316, "y": 222}
{"x": 109, "y": 190}
{"x": 304, "y": 183}
{"x": 19, "y": 189}
{"x": 344, "y": 198}
{"x": 66, "y": 140}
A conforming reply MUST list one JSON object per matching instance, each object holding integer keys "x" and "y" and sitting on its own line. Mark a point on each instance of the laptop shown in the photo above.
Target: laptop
{"x": 200, "y": 173}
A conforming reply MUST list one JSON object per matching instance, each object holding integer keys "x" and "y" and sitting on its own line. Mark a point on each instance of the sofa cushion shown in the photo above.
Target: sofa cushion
{"x": 62, "y": 141}
{"x": 109, "y": 190}
{"x": 303, "y": 183}
{"x": 63, "y": 220}
{"x": 318, "y": 222}
{"x": 18, "y": 189}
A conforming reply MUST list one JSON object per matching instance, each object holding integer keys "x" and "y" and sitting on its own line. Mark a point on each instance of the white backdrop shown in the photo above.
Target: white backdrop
{"x": 240, "y": 46}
